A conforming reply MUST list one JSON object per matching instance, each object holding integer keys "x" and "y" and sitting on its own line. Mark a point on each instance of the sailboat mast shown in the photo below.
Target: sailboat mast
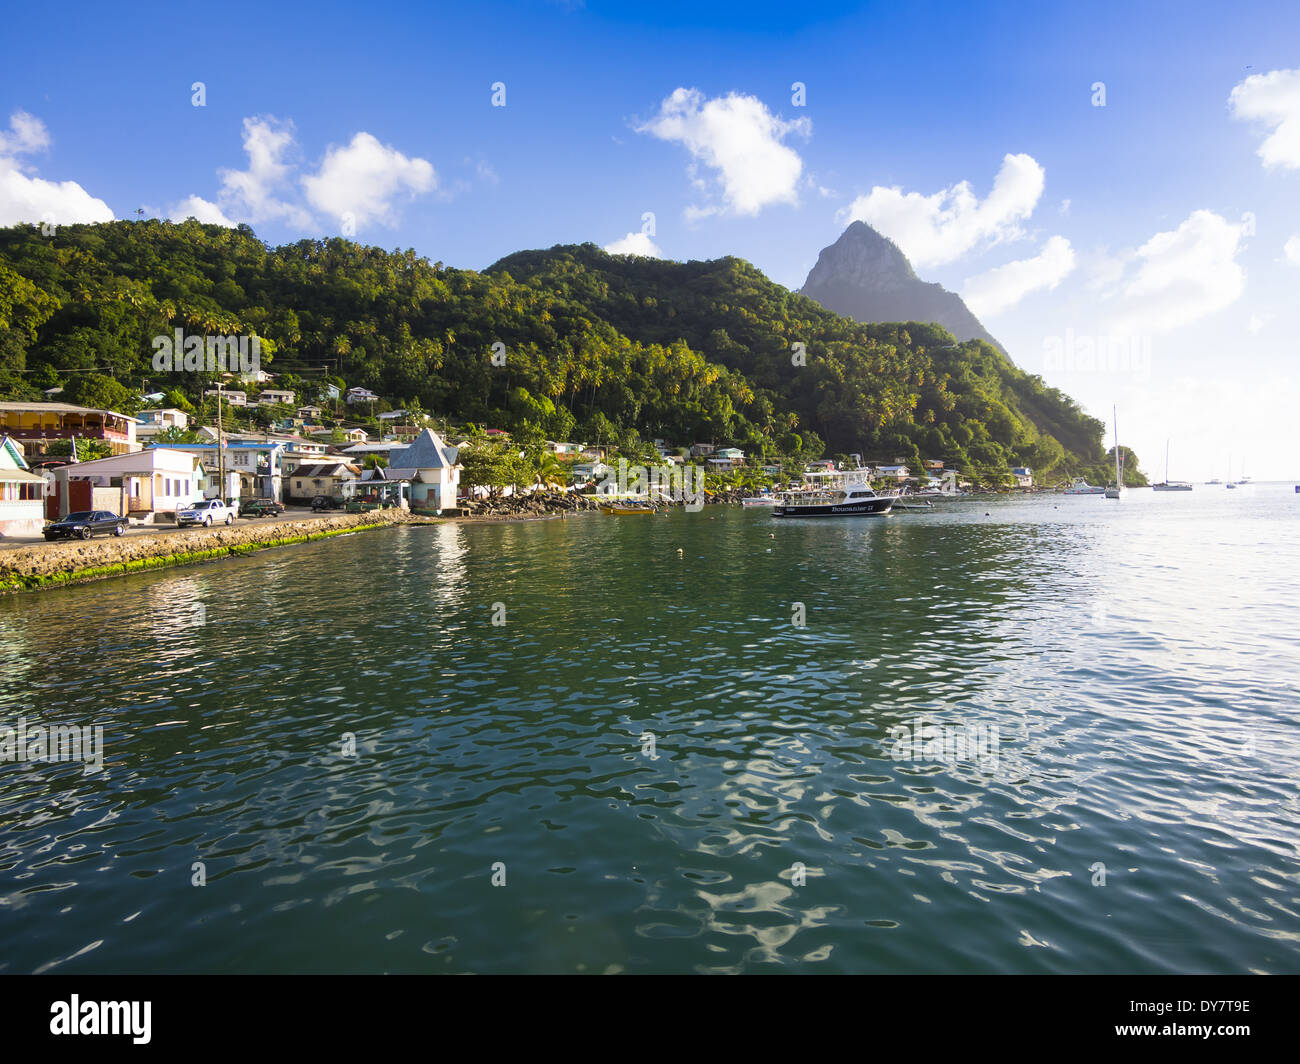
{"x": 1114, "y": 416}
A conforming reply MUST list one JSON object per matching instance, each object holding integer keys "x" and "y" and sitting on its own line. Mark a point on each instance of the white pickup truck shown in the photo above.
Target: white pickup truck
{"x": 207, "y": 513}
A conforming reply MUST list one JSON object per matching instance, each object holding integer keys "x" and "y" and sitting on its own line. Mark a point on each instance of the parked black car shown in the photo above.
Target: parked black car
{"x": 85, "y": 523}
{"x": 326, "y": 502}
{"x": 259, "y": 508}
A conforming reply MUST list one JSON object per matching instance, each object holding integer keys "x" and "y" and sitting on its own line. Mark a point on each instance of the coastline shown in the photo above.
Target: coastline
{"x": 48, "y": 565}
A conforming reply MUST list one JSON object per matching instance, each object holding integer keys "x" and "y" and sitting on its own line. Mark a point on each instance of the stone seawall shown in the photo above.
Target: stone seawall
{"x": 73, "y": 561}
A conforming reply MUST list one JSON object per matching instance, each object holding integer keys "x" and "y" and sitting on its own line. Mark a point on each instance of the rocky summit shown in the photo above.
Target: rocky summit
{"x": 865, "y": 276}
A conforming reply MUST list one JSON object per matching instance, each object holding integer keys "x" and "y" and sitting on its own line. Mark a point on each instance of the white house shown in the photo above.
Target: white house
{"x": 361, "y": 395}
{"x": 893, "y": 472}
{"x": 585, "y": 472}
{"x": 1024, "y": 477}
{"x": 256, "y": 462}
{"x": 271, "y": 396}
{"x": 139, "y": 485}
{"x": 233, "y": 398}
{"x": 153, "y": 422}
{"x": 433, "y": 469}
{"x": 22, "y": 493}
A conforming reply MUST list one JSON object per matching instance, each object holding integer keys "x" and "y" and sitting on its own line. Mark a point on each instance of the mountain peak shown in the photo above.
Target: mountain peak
{"x": 865, "y": 276}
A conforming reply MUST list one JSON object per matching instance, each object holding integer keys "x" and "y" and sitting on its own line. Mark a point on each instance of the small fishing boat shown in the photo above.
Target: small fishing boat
{"x": 760, "y": 500}
{"x": 1080, "y": 486}
{"x": 835, "y": 493}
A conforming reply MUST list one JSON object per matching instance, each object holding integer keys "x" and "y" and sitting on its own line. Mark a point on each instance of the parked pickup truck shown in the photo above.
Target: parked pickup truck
{"x": 259, "y": 508}
{"x": 207, "y": 513}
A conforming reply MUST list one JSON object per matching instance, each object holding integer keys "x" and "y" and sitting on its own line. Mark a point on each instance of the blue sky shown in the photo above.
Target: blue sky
{"x": 1150, "y": 229}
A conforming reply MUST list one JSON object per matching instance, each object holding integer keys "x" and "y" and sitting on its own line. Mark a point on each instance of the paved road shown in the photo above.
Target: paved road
{"x": 293, "y": 513}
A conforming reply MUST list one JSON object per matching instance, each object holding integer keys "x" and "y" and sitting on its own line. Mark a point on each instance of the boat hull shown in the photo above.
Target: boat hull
{"x": 1171, "y": 487}
{"x": 876, "y": 507}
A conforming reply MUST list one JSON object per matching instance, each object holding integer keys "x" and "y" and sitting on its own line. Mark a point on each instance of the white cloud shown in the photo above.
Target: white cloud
{"x": 251, "y": 195}
{"x": 939, "y": 228}
{"x": 363, "y": 178}
{"x": 27, "y": 134}
{"x": 1292, "y": 250}
{"x": 740, "y": 140}
{"x": 635, "y": 244}
{"x": 355, "y": 183}
{"x": 995, "y": 291}
{"x": 25, "y": 197}
{"x": 1256, "y": 323}
{"x": 1272, "y": 99}
{"x": 1182, "y": 275}
{"x": 200, "y": 210}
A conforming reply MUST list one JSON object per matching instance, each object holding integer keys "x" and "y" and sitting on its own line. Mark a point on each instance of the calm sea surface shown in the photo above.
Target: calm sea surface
{"x": 1136, "y": 663}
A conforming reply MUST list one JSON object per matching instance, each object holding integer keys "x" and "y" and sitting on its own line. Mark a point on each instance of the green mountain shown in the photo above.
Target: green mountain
{"x": 595, "y": 345}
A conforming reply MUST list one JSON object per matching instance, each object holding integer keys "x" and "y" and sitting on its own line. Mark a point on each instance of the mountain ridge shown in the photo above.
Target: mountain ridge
{"x": 865, "y": 276}
{"x": 599, "y": 346}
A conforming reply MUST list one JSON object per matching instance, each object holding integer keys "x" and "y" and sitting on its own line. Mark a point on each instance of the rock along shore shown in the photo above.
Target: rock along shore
{"x": 73, "y": 561}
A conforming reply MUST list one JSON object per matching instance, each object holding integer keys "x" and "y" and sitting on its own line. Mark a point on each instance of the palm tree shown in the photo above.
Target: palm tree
{"x": 550, "y": 471}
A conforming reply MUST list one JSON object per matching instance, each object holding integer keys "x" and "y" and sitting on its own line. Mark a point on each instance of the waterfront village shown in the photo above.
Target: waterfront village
{"x": 347, "y": 450}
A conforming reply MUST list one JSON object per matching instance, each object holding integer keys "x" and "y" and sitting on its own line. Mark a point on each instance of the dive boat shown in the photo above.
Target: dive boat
{"x": 834, "y": 493}
{"x": 1082, "y": 487}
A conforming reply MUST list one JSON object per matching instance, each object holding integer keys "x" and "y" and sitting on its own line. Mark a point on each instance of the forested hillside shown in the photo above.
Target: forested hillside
{"x": 595, "y": 344}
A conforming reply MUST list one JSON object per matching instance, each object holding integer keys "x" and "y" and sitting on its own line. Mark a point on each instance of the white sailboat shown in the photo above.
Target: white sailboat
{"x": 1116, "y": 490}
{"x": 1170, "y": 485}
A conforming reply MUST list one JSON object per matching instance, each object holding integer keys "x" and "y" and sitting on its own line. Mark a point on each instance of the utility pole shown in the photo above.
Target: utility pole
{"x": 221, "y": 458}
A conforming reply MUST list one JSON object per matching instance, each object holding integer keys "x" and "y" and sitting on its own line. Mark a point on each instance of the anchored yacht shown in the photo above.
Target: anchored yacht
{"x": 834, "y": 493}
